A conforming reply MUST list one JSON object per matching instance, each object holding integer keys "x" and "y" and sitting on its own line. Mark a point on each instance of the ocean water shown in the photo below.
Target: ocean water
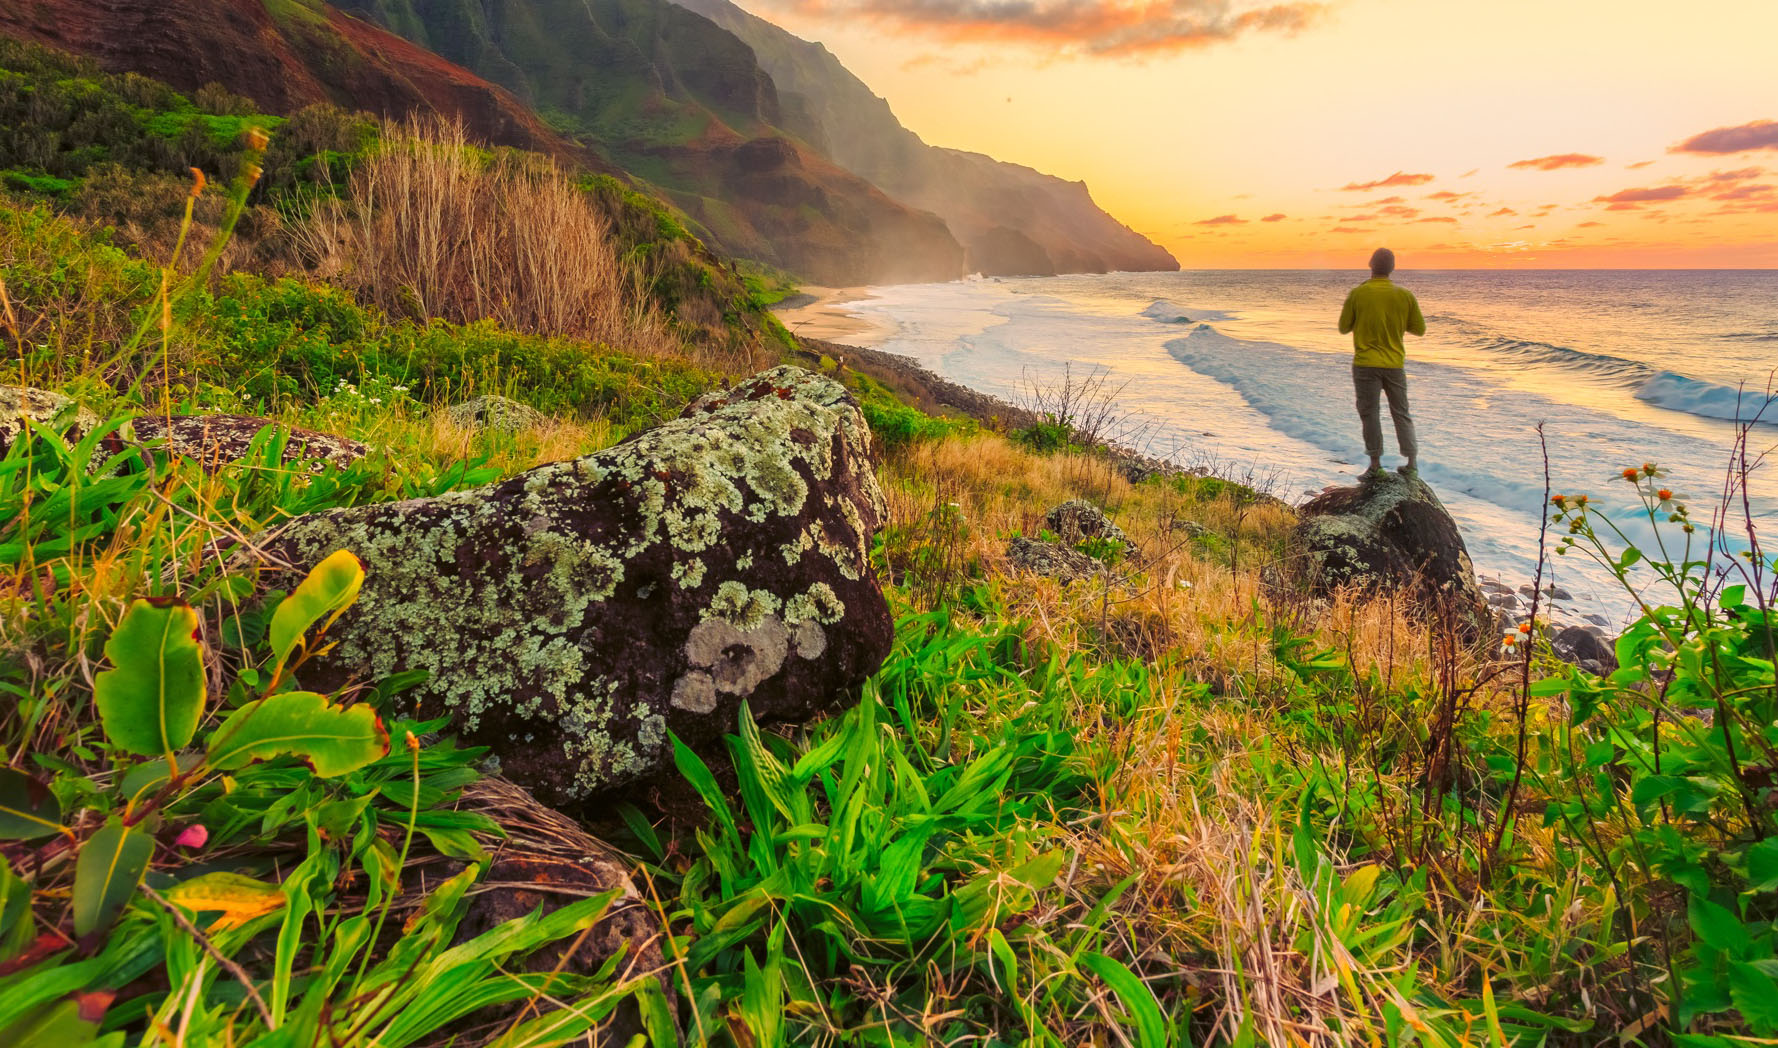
{"x": 1245, "y": 370}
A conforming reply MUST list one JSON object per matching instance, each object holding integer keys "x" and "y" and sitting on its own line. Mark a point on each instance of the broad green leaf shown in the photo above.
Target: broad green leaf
{"x": 110, "y": 866}
{"x": 1762, "y": 865}
{"x": 332, "y": 740}
{"x": 1134, "y": 995}
{"x": 27, "y": 809}
{"x": 1717, "y": 926}
{"x": 329, "y": 590}
{"x": 58, "y": 1024}
{"x": 15, "y": 912}
{"x": 143, "y": 780}
{"x": 233, "y": 897}
{"x": 1756, "y": 996}
{"x": 151, "y": 700}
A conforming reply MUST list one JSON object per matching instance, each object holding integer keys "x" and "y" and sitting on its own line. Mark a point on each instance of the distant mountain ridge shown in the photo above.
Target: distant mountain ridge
{"x": 1011, "y": 219}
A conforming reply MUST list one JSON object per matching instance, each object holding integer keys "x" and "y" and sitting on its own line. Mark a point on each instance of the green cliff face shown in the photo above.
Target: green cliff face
{"x": 1011, "y": 219}
{"x": 669, "y": 96}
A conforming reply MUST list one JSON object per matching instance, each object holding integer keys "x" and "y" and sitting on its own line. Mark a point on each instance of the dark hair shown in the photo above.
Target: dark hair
{"x": 1382, "y": 262}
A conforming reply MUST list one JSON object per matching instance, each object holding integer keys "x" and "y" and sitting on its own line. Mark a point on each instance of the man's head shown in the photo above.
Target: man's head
{"x": 1382, "y": 262}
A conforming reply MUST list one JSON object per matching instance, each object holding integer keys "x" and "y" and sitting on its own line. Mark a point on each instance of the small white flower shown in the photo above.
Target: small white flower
{"x": 376, "y": 400}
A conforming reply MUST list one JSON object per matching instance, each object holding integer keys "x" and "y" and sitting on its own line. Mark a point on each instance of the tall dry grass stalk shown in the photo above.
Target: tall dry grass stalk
{"x": 438, "y": 228}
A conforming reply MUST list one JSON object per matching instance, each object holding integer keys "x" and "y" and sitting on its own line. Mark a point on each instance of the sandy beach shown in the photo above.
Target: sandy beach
{"x": 823, "y": 313}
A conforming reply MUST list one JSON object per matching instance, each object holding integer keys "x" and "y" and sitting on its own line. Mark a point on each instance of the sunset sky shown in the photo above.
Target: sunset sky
{"x": 1505, "y": 133}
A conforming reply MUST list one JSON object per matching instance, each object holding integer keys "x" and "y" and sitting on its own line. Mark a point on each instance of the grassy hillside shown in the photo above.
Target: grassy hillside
{"x": 1173, "y": 803}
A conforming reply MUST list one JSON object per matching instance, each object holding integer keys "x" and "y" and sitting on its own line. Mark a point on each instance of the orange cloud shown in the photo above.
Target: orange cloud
{"x": 1437, "y": 218}
{"x": 1275, "y": 217}
{"x": 1751, "y": 192}
{"x": 1398, "y": 211}
{"x": 1743, "y": 138}
{"x": 1447, "y": 196}
{"x": 1638, "y": 165}
{"x": 1501, "y": 212}
{"x": 1397, "y": 179}
{"x": 1347, "y": 229}
{"x": 1073, "y": 27}
{"x": 1585, "y": 225}
{"x": 1558, "y": 161}
{"x": 1221, "y": 220}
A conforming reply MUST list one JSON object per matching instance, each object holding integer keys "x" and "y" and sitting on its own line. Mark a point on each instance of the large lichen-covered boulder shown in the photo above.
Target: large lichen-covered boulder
{"x": 573, "y": 615}
{"x": 1390, "y": 533}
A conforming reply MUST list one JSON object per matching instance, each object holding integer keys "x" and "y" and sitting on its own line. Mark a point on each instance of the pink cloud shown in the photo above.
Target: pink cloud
{"x": 1096, "y": 28}
{"x": 1558, "y": 161}
{"x": 1397, "y": 179}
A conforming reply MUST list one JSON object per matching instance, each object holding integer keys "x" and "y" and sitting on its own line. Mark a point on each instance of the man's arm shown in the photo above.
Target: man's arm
{"x": 1416, "y": 322}
{"x": 1348, "y": 316}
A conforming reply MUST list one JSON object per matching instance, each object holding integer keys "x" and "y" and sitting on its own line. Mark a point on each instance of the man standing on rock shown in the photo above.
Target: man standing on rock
{"x": 1376, "y": 313}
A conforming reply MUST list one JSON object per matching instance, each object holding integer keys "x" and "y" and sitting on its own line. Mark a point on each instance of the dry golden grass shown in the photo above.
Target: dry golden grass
{"x": 438, "y": 228}
{"x": 1179, "y": 597}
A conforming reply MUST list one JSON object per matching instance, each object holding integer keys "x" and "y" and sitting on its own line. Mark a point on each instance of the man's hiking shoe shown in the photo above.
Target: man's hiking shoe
{"x": 1409, "y": 471}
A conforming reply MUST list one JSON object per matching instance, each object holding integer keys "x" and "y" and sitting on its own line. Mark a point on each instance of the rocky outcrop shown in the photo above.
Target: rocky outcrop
{"x": 1586, "y": 647}
{"x": 546, "y": 861}
{"x": 1049, "y": 559}
{"x": 572, "y": 616}
{"x": 1077, "y": 520}
{"x": 494, "y": 412}
{"x": 22, "y": 404}
{"x": 1391, "y": 533}
{"x": 211, "y": 440}
{"x": 215, "y": 440}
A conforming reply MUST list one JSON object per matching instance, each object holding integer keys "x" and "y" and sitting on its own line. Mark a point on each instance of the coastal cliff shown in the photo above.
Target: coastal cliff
{"x": 1013, "y": 220}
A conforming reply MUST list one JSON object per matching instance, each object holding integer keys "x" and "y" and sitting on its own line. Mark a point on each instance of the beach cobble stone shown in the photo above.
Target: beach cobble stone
{"x": 572, "y": 616}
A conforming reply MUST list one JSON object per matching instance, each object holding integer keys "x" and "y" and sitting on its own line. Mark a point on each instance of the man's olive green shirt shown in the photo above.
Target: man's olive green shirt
{"x": 1376, "y": 313}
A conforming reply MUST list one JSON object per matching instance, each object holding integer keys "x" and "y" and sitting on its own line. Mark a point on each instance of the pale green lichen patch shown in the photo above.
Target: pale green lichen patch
{"x": 737, "y": 604}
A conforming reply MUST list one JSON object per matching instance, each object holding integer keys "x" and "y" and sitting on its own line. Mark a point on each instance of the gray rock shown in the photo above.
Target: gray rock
{"x": 491, "y": 411}
{"x": 1586, "y": 648}
{"x": 19, "y": 404}
{"x": 214, "y": 440}
{"x": 1391, "y": 533}
{"x": 210, "y": 440}
{"x": 1503, "y": 600}
{"x": 546, "y": 861}
{"x": 573, "y": 615}
{"x": 1078, "y": 519}
{"x": 1050, "y": 560}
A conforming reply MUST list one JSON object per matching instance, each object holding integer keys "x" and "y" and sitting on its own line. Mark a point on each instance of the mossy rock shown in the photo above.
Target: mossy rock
{"x": 1390, "y": 534}
{"x": 572, "y": 616}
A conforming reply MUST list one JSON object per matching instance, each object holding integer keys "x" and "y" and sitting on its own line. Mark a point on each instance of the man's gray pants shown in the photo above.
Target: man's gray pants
{"x": 1394, "y": 383}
